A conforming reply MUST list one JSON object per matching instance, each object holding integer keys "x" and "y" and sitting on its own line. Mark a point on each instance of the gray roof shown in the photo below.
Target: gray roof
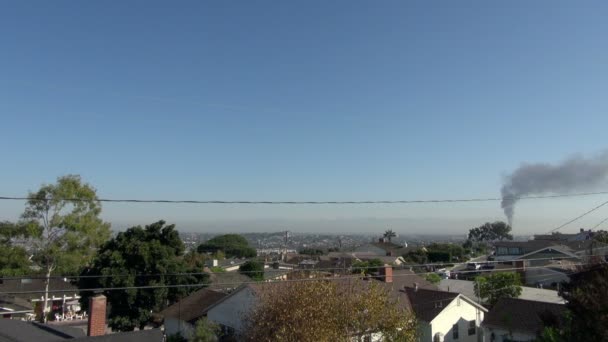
{"x": 35, "y": 285}
{"x": 522, "y": 315}
{"x": 13, "y": 330}
{"x": 150, "y": 335}
{"x": 192, "y": 307}
{"x": 466, "y": 288}
{"x": 427, "y": 304}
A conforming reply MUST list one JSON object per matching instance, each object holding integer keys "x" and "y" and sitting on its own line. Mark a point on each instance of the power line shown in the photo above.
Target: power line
{"x": 362, "y": 268}
{"x": 488, "y": 199}
{"x": 579, "y": 217}
{"x": 100, "y": 289}
{"x": 599, "y": 224}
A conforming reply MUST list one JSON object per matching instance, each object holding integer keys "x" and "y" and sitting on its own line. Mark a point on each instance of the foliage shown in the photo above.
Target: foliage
{"x": 253, "y": 269}
{"x": 63, "y": 227}
{"x": 205, "y": 331}
{"x": 418, "y": 256}
{"x": 389, "y": 234}
{"x": 176, "y": 338}
{"x": 433, "y": 278}
{"x": 333, "y": 311}
{"x": 586, "y": 296}
{"x": 232, "y": 245}
{"x": 311, "y": 251}
{"x": 150, "y": 256}
{"x": 494, "y": 286}
{"x": 14, "y": 260}
{"x": 444, "y": 252}
{"x": 367, "y": 266}
{"x": 491, "y": 232}
{"x": 601, "y": 236}
{"x": 217, "y": 269}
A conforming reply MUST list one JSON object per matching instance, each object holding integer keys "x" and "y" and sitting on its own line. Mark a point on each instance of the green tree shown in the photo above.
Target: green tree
{"x": 63, "y": 226}
{"x": 491, "y": 232}
{"x": 331, "y": 310}
{"x": 366, "y": 266}
{"x": 14, "y": 260}
{"x": 586, "y": 298}
{"x": 205, "y": 331}
{"x": 494, "y": 286}
{"x": 232, "y": 245}
{"x": 253, "y": 269}
{"x": 418, "y": 256}
{"x": 311, "y": 251}
{"x": 150, "y": 256}
{"x": 601, "y": 236}
{"x": 390, "y": 234}
{"x": 433, "y": 278}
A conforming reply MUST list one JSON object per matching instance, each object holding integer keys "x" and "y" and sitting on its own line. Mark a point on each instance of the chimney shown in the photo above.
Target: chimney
{"x": 386, "y": 273}
{"x": 97, "y": 316}
{"x": 415, "y": 287}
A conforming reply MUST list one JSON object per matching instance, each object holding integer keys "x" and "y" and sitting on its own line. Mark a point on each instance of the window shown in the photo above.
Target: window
{"x": 472, "y": 328}
{"x": 455, "y": 331}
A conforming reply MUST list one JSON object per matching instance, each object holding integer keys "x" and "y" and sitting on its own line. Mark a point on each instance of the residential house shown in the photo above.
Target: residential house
{"x": 15, "y": 330}
{"x": 384, "y": 248}
{"x": 180, "y": 318}
{"x": 446, "y": 316}
{"x": 520, "y": 320}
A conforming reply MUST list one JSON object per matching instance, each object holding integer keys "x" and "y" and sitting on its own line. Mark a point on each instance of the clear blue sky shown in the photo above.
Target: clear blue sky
{"x": 310, "y": 100}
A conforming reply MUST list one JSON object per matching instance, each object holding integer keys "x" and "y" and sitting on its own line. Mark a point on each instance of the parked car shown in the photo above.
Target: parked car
{"x": 473, "y": 266}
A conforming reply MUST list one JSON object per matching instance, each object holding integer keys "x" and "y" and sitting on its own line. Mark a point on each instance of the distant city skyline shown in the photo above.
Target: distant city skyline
{"x": 340, "y": 100}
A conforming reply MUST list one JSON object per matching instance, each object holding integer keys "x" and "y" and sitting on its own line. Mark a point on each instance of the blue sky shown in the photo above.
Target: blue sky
{"x": 315, "y": 100}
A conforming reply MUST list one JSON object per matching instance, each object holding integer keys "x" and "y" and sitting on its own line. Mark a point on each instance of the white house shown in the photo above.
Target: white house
{"x": 231, "y": 311}
{"x": 520, "y": 320}
{"x": 446, "y": 316}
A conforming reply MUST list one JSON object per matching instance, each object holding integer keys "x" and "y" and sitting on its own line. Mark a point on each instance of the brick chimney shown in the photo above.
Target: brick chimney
{"x": 386, "y": 273}
{"x": 97, "y": 316}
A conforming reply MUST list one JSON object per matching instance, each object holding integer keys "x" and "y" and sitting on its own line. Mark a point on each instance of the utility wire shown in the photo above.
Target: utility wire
{"x": 488, "y": 199}
{"x": 362, "y": 268}
{"x": 599, "y": 224}
{"x": 99, "y": 289}
{"x": 579, "y": 217}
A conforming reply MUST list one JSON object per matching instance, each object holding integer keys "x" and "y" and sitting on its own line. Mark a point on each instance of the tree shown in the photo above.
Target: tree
{"x": 233, "y": 245}
{"x": 366, "y": 267}
{"x": 253, "y": 269}
{"x": 433, "y": 278}
{"x": 601, "y": 236}
{"x": 491, "y": 232}
{"x": 205, "y": 331}
{"x": 331, "y": 310}
{"x": 311, "y": 251}
{"x": 14, "y": 260}
{"x": 494, "y": 286}
{"x": 586, "y": 298}
{"x": 150, "y": 256}
{"x": 63, "y": 225}
{"x": 389, "y": 234}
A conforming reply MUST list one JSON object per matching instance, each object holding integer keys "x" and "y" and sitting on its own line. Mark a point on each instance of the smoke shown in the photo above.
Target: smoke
{"x": 576, "y": 173}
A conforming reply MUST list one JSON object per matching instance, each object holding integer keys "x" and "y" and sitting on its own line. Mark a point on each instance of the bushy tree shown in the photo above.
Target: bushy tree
{"x": 150, "y": 256}
{"x": 491, "y": 232}
{"x": 331, "y": 311}
{"x": 586, "y": 298}
{"x": 253, "y": 269}
{"x": 205, "y": 331}
{"x": 390, "y": 234}
{"x": 433, "y": 278}
{"x": 14, "y": 259}
{"x": 366, "y": 266}
{"x": 311, "y": 251}
{"x": 63, "y": 226}
{"x": 494, "y": 286}
{"x": 232, "y": 245}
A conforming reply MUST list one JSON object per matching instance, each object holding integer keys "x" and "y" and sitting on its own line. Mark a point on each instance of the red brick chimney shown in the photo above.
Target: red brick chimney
{"x": 386, "y": 273}
{"x": 97, "y": 316}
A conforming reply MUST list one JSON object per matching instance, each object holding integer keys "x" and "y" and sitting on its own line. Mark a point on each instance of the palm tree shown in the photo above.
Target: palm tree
{"x": 389, "y": 234}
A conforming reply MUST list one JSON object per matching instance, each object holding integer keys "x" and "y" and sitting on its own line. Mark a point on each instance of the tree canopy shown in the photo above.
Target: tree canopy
{"x": 493, "y": 286}
{"x": 491, "y": 232}
{"x": 63, "y": 226}
{"x": 366, "y": 266}
{"x": 14, "y": 259}
{"x": 389, "y": 234}
{"x": 332, "y": 311}
{"x": 253, "y": 269}
{"x": 232, "y": 245}
{"x": 150, "y": 256}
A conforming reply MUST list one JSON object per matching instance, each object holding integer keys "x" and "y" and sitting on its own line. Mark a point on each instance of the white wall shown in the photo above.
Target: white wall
{"x": 502, "y": 334}
{"x": 460, "y": 312}
{"x": 232, "y": 311}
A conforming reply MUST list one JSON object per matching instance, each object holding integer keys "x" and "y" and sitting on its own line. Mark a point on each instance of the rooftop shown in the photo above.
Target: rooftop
{"x": 523, "y": 315}
{"x": 466, "y": 288}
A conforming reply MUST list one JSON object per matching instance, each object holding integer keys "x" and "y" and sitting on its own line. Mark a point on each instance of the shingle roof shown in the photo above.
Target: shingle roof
{"x": 150, "y": 335}
{"x": 427, "y": 304}
{"x": 522, "y": 315}
{"x": 28, "y": 285}
{"x": 192, "y": 307}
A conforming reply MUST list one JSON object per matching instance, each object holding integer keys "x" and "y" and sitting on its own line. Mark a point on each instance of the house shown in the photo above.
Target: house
{"x": 15, "y": 330}
{"x": 383, "y": 248}
{"x": 582, "y": 235}
{"x": 181, "y": 317}
{"x": 446, "y": 316}
{"x": 230, "y": 312}
{"x": 520, "y": 320}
